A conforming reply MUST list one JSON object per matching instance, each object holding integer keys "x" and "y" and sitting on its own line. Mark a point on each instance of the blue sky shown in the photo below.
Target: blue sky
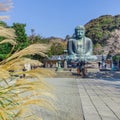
{"x": 58, "y": 18}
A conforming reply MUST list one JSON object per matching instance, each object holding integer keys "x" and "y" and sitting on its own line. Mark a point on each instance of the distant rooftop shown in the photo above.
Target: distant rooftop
{"x": 62, "y": 57}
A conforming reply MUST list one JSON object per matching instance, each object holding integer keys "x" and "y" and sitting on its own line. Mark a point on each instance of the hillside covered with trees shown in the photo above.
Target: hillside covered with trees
{"x": 104, "y": 31}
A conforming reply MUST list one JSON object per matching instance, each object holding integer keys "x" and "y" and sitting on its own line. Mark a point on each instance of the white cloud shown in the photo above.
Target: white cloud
{"x": 4, "y": 17}
{"x": 6, "y": 5}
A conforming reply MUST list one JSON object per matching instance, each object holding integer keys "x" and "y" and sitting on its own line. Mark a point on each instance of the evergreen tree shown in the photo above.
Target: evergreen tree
{"x": 21, "y": 39}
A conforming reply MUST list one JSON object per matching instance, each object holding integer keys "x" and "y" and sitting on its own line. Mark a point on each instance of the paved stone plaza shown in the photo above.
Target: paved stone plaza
{"x": 96, "y": 97}
{"x": 100, "y": 99}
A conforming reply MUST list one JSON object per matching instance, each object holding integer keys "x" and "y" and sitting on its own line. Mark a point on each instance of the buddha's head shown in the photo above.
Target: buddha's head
{"x": 79, "y": 32}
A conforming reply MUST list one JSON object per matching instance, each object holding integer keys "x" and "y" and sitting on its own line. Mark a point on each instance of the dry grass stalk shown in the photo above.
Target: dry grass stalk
{"x": 12, "y": 42}
{"x": 17, "y": 94}
{"x": 33, "y": 49}
{"x": 7, "y": 32}
{"x": 20, "y": 93}
{"x": 18, "y": 64}
{"x": 4, "y": 17}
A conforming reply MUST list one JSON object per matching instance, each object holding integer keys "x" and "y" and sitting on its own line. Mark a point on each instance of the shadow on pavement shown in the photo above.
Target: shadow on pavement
{"x": 91, "y": 74}
{"x": 104, "y": 75}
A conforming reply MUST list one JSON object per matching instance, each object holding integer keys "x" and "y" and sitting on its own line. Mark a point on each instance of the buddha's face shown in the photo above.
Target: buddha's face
{"x": 79, "y": 33}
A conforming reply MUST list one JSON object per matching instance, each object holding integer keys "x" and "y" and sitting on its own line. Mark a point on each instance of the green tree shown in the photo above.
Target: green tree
{"x": 2, "y": 23}
{"x": 117, "y": 21}
{"x": 38, "y": 39}
{"x": 98, "y": 49}
{"x": 57, "y": 48}
{"x": 21, "y": 36}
